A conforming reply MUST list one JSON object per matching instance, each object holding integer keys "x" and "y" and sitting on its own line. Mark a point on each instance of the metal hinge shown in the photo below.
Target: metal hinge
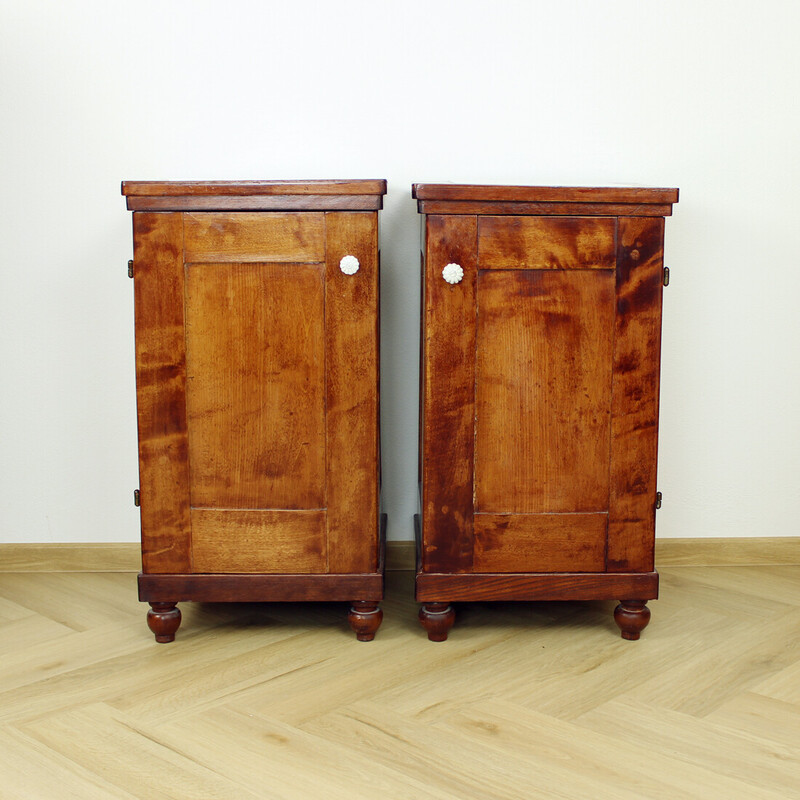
{"x": 136, "y": 497}
{"x": 666, "y": 276}
{"x": 658, "y": 500}
{"x": 130, "y": 269}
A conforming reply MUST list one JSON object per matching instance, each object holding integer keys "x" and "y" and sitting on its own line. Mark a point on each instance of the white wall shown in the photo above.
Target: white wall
{"x": 700, "y": 95}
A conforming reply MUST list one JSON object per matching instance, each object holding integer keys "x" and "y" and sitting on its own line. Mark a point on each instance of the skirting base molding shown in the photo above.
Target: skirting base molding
{"x": 126, "y": 556}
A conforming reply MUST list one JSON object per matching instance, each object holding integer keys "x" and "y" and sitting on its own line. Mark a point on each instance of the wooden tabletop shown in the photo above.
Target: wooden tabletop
{"x": 455, "y": 198}
{"x": 315, "y": 195}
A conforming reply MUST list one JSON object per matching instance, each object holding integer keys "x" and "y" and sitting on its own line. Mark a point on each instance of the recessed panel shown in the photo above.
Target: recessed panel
{"x": 255, "y": 370}
{"x": 540, "y": 542}
{"x": 546, "y": 242}
{"x": 247, "y": 236}
{"x": 543, "y": 390}
{"x": 228, "y": 540}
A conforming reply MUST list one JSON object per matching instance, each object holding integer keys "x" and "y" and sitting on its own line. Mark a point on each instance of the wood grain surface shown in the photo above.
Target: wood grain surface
{"x": 489, "y": 207}
{"x": 255, "y": 355}
{"x": 351, "y": 349}
{"x": 258, "y": 540}
{"x": 527, "y": 586}
{"x": 549, "y": 194}
{"x": 262, "y": 587}
{"x": 634, "y": 410}
{"x": 449, "y": 399}
{"x": 257, "y": 202}
{"x": 525, "y": 700}
{"x": 540, "y": 542}
{"x": 245, "y": 188}
{"x": 246, "y": 236}
{"x": 546, "y": 243}
{"x": 160, "y": 392}
{"x": 543, "y": 390}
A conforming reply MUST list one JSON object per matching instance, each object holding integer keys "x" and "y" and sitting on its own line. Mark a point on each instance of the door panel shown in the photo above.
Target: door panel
{"x": 255, "y": 365}
{"x": 543, "y": 390}
{"x": 257, "y": 375}
{"x": 546, "y": 242}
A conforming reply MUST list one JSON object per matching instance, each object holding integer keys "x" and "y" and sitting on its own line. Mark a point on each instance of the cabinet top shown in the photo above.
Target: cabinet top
{"x": 318, "y": 195}
{"x": 454, "y": 198}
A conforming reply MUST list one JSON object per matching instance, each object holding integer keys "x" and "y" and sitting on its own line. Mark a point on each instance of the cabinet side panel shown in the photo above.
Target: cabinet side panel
{"x": 351, "y": 341}
{"x": 449, "y": 396}
{"x": 543, "y": 394}
{"x": 255, "y": 365}
{"x": 635, "y": 384}
{"x": 161, "y": 392}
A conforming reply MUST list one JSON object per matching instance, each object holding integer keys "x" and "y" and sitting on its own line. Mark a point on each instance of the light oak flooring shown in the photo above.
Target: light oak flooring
{"x": 523, "y": 701}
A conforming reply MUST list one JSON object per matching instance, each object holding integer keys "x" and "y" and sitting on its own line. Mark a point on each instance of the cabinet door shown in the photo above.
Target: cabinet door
{"x": 257, "y": 392}
{"x": 540, "y": 396}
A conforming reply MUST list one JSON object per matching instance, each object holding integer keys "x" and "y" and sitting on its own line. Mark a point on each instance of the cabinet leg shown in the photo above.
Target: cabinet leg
{"x": 164, "y": 619}
{"x": 632, "y": 617}
{"x": 365, "y": 619}
{"x": 437, "y": 619}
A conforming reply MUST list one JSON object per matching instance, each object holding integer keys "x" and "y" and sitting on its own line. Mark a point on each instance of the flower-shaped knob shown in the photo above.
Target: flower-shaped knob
{"x": 349, "y": 265}
{"x": 453, "y": 273}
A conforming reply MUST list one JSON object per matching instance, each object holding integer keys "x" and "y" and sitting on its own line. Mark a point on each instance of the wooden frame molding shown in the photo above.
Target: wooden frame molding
{"x": 126, "y": 556}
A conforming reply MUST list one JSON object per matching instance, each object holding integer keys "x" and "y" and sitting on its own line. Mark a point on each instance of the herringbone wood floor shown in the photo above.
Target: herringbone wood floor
{"x": 523, "y": 701}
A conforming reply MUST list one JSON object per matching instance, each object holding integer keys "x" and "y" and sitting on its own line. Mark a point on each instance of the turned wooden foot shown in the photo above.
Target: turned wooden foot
{"x": 632, "y": 617}
{"x": 164, "y": 619}
{"x": 437, "y": 619}
{"x": 365, "y": 619}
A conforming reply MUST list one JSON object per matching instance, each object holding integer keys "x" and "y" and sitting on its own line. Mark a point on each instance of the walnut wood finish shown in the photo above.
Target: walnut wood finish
{"x": 261, "y": 588}
{"x": 365, "y": 619}
{"x": 632, "y": 617}
{"x": 543, "y": 194}
{"x": 539, "y": 408}
{"x": 257, "y": 381}
{"x": 161, "y": 392}
{"x": 256, "y": 408}
{"x": 634, "y": 414}
{"x": 537, "y": 243}
{"x": 258, "y": 203}
{"x": 540, "y": 542}
{"x": 164, "y": 619}
{"x": 326, "y": 195}
{"x": 351, "y": 398}
{"x": 258, "y": 540}
{"x": 437, "y": 619}
{"x": 517, "y": 209}
{"x": 249, "y": 236}
{"x": 449, "y": 395}
{"x": 248, "y": 188}
{"x": 543, "y": 390}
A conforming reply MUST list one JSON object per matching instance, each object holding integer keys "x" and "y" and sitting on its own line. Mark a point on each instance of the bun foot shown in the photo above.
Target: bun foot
{"x": 365, "y": 619}
{"x": 437, "y": 619}
{"x": 632, "y": 617}
{"x": 164, "y": 619}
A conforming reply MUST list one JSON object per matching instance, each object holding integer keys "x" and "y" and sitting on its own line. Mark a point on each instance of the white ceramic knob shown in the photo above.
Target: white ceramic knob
{"x": 453, "y": 273}
{"x": 349, "y": 265}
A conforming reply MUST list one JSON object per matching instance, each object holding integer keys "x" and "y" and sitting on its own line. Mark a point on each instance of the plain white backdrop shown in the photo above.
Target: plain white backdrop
{"x": 703, "y": 96}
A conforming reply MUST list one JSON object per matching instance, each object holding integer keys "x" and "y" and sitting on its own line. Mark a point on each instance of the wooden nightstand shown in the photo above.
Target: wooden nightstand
{"x": 541, "y": 330}
{"x": 257, "y": 394}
